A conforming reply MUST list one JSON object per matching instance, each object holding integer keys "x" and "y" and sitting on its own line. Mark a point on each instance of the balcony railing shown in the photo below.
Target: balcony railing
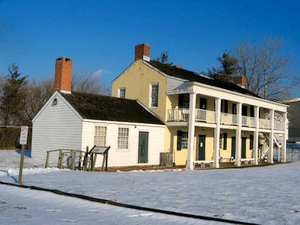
{"x": 207, "y": 116}
{"x": 278, "y": 125}
{"x": 248, "y": 121}
{"x": 178, "y": 114}
{"x": 264, "y": 124}
{"x": 228, "y": 119}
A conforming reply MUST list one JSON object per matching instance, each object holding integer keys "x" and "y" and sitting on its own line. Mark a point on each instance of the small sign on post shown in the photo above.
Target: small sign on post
{"x": 23, "y": 142}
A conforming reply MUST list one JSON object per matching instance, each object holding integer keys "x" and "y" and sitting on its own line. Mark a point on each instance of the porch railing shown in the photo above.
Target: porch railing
{"x": 208, "y": 116}
{"x": 264, "y": 124}
{"x": 248, "y": 121}
{"x": 178, "y": 114}
{"x": 228, "y": 119}
{"x": 278, "y": 125}
{"x": 205, "y": 116}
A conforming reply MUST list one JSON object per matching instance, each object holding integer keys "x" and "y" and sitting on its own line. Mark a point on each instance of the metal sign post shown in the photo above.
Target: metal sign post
{"x": 23, "y": 142}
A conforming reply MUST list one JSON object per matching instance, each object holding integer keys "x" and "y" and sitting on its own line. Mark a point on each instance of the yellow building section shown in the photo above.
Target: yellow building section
{"x": 137, "y": 80}
{"x": 180, "y": 155}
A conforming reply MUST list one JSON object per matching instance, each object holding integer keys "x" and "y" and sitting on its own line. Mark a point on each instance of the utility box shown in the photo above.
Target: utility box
{"x": 166, "y": 159}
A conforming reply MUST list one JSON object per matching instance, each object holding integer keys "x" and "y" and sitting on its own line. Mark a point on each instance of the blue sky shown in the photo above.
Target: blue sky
{"x": 101, "y": 35}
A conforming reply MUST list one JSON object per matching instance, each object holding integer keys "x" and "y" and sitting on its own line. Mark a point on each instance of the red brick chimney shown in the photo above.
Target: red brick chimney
{"x": 142, "y": 51}
{"x": 63, "y": 74}
{"x": 240, "y": 81}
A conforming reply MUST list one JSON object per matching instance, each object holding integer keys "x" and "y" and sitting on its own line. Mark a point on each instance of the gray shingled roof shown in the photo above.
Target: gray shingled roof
{"x": 192, "y": 76}
{"x": 100, "y": 107}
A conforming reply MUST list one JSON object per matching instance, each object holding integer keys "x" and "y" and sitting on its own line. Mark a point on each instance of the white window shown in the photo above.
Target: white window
{"x": 100, "y": 136}
{"x": 184, "y": 140}
{"x": 122, "y": 92}
{"x": 123, "y": 135}
{"x": 154, "y": 95}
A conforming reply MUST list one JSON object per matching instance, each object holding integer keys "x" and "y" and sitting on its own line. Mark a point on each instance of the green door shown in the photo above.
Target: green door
{"x": 233, "y": 147}
{"x": 201, "y": 153}
{"x": 244, "y": 147}
{"x": 143, "y": 147}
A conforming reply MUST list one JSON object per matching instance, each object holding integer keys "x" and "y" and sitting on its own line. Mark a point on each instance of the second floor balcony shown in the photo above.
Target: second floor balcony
{"x": 208, "y": 116}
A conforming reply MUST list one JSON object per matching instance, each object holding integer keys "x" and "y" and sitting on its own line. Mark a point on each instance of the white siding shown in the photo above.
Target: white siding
{"x": 56, "y": 127}
{"x": 126, "y": 157}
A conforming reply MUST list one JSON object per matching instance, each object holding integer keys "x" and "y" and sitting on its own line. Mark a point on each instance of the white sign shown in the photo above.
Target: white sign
{"x": 23, "y": 135}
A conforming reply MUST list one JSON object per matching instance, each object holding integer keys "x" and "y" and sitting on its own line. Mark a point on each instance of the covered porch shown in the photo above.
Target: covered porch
{"x": 221, "y": 110}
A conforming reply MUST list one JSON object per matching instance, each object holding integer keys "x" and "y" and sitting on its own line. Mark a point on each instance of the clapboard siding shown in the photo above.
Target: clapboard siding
{"x": 126, "y": 157}
{"x": 56, "y": 127}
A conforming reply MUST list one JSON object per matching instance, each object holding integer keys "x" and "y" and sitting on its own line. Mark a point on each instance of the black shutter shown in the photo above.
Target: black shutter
{"x": 244, "y": 110}
{"x": 251, "y": 141}
{"x": 180, "y": 101}
{"x": 179, "y": 139}
{"x": 252, "y": 111}
{"x": 226, "y": 106}
{"x": 225, "y": 141}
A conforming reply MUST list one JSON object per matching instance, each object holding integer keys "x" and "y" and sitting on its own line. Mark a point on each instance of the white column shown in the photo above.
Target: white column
{"x": 217, "y": 133}
{"x": 191, "y": 134}
{"x": 255, "y": 141}
{"x": 285, "y": 136}
{"x": 238, "y": 150}
{"x": 271, "y": 137}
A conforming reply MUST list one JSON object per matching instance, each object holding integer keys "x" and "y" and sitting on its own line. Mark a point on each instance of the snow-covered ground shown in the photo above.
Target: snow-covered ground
{"x": 263, "y": 195}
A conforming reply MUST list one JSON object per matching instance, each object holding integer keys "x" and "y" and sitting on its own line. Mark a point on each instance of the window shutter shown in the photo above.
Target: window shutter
{"x": 252, "y": 111}
{"x": 179, "y": 139}
{"x": 225, "y": 141}
{"x": 251, "y": 141}
{"x": 180, "y": 101}
{"x": 226, "y": 106}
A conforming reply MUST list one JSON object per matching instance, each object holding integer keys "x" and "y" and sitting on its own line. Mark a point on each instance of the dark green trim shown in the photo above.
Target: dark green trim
{"x": 179, "y": 140}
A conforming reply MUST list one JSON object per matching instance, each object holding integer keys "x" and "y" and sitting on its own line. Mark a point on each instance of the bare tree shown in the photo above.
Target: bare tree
{"x": 83, "y": 80}
{"x": 38, "y": 91}
{"x": 266, "y": 67}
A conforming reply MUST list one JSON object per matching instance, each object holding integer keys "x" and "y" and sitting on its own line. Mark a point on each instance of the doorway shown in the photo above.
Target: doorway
{"x": 201, "y": 148}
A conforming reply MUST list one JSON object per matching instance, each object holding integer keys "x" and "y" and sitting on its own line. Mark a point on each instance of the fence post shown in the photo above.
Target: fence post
{"x": 47, "y": 160}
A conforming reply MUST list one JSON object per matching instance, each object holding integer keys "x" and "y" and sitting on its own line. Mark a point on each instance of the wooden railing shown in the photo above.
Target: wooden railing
{"x": 228, "y": 119}
{"x": 203, "y": 115}
{"x": 207, "y": 116}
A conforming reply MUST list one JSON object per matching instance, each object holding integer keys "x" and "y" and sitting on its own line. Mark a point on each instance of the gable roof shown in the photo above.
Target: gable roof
{"x": 192, "y": 76}
{"x": 100, "y": 107}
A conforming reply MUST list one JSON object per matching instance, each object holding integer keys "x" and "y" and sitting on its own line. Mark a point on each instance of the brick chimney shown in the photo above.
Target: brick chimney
{"x": 240, "y": 81}
{"x": 142, "y": 51}
{"x": 63, "y": 74}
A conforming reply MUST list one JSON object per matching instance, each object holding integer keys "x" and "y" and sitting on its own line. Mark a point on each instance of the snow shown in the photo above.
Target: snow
{"x": 262, "y": 195}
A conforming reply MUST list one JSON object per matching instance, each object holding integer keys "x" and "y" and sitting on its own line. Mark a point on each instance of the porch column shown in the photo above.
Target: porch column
{"x": 271, "y": 137}
{"x": 217, "y": 133}
{"x": 285, "y": 136}
{"x": 238, "y": 135}
{"x": 255, "y": 140}
{"x": 191, "y": 134}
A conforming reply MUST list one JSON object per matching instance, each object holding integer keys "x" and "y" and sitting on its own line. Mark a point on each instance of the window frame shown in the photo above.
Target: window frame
{"x": 184, "y": 101}
{"x": 126, "y": 138}
{"x": 182, "y": 135}
{"x": 120, "y": 91}
{"x": 151, "y": 105}
{"x": 96, "y": 134}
